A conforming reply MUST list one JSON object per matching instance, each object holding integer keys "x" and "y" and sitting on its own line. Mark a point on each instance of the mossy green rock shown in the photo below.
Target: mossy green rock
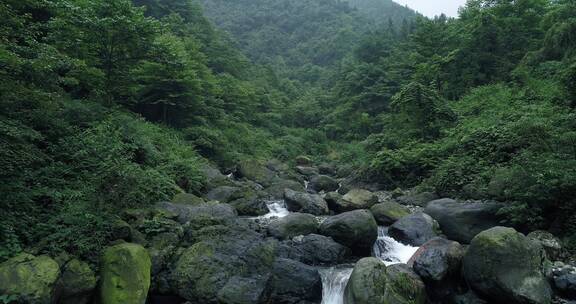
{"x": 506, "y": 267}
{"x": 403, "y": 286}
{"x": 387, "y": 213}
{"x": 367, "y": 283}
{"x": 255, "y": 171}
{"x": 125, "y": 274}
{"x": 77, "y": 283}
{"x": 29, "y": 279}
{"x": 187, "y": 199}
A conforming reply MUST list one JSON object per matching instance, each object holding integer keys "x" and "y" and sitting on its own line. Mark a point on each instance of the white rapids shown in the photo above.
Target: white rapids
{"x": 334, "y": 280}
{"x": 391, "y": 251}
{"x": 277, "y": 209}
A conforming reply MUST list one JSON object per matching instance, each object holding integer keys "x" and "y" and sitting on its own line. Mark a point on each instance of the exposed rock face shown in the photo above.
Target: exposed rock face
{"x": 125, "y": 274}
{"x": 504, "y": 266}
{"x": 323, "y": 183}
{"x": 315, "y": 250}
{"x": 293, "y": 225}
{"x": 29, "y": 279}
{"x": 372, "y": 282}
{"x": 388, "y": 212}
{"x": 367, "y": 284}
{"x": 294, "y": 282}
{"x": 461, "y": 221}
{"x": 77, "y": 283}
{"x": 356, "y": 199}
{"x": 415, "y": 229}
{"x": 305, "y": 202}
{"x": 355, "y": 229}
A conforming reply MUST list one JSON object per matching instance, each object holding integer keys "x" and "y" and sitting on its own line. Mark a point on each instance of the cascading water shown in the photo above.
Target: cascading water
{"x": 334, "y": 282}
{"x": 391, "y": 251}
{"x": 277, "y": 209}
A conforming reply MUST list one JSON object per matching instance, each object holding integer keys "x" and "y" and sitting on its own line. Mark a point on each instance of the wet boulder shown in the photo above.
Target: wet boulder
{"x": 367, "y": 284}
{"x": 355, "y": 229}
{"x": 415, "y": 229}
{"x": 293, "y": 225}
{"x": 356, "y": 199}
{"x": 294, "y": 282}
{"x": 315, "y": 250}
{"x": 125, "y": 274}
{"x": 323, "y": 183}
{"x": 305, "y": 202}
{"x": 564, "y": 279}
{"x": 224, "y": 194}
{"x": 461, "y": 221}
{"x": 388, "y": 212}
{"x": 77, "y": 283}
{"x": 438, "y": 259}
{"x": 212, "y": 211}
{"x": 332, "y": 199}
{"x": 29, "y": 279}
{"x": 504, "y": 266}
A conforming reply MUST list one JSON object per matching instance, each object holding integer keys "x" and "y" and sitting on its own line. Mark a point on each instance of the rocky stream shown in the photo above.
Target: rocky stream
{"x": 267, "y": 233}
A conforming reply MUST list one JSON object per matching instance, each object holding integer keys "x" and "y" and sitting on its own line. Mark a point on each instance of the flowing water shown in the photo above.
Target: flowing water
{"x": 277, "y": 209}
{"x": 391, "y": 251}
{"x": 334, "y": 282}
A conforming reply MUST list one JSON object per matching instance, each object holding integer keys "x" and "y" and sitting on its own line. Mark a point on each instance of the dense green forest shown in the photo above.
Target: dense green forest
{"x": 114, "y": 104}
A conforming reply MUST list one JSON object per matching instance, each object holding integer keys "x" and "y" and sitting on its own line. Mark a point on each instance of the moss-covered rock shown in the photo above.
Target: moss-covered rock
{"x": 293, "y": 225}
{"x": 29, "y": 279}
{"x": 367, "y": 283}
{"x": 77, "y": 283}
{"x": 403, "y": 286}
{"x": 356, "y": 229}
{"x": 356, "y": 199}
{"x": 388, "y": 212}
{"x": 255, "y": 171}
{"x": 506, "y": 267}
{"x": 323, "y": 183}
{"x": 187, "y": 199}
{"x": 125, "y": 274}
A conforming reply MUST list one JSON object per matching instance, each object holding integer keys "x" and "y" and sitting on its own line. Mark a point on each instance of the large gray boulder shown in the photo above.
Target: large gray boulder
{"x": 222, "y": 258}
{"x": 206, "y": 211}
{"x": 356, "y": 199}
{"x": 415, "y": 229}
{"x": 77, "y": 283}
{"x": 245, "y": 290}
{"x": 305, "y": 202}
{"x": 388, "y": 212}
{"x": 355, "y": 229}
{"x": 276, "y": 190}
{"x": 293, "y": 225}
{"x": 550, "y": 243}
{"x": 315, "y": 250}
{"x": 461, "y": 221}
{"x": 323, "y": 183}
{"x": 257, "y": 172}
{"x": 420, "y": 199}
{"x": 367, "y": 284}
{"x": 294, "y": 282}
{"x": 504, "y": 266}
{"x": 438, "y": 259}
{"x": 372, "y": 282}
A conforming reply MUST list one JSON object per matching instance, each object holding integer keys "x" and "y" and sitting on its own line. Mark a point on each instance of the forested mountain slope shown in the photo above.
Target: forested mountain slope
{"x": 302, "y": 38}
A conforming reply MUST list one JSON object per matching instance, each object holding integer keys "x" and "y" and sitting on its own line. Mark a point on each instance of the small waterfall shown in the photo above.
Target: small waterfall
{"x": 277, "y": 209}
{"x": 334, "y": 282}
{"x": 391, "y": 251}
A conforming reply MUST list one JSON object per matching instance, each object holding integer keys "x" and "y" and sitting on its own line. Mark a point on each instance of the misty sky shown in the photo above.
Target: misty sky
{"x": 432, "y": 8}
